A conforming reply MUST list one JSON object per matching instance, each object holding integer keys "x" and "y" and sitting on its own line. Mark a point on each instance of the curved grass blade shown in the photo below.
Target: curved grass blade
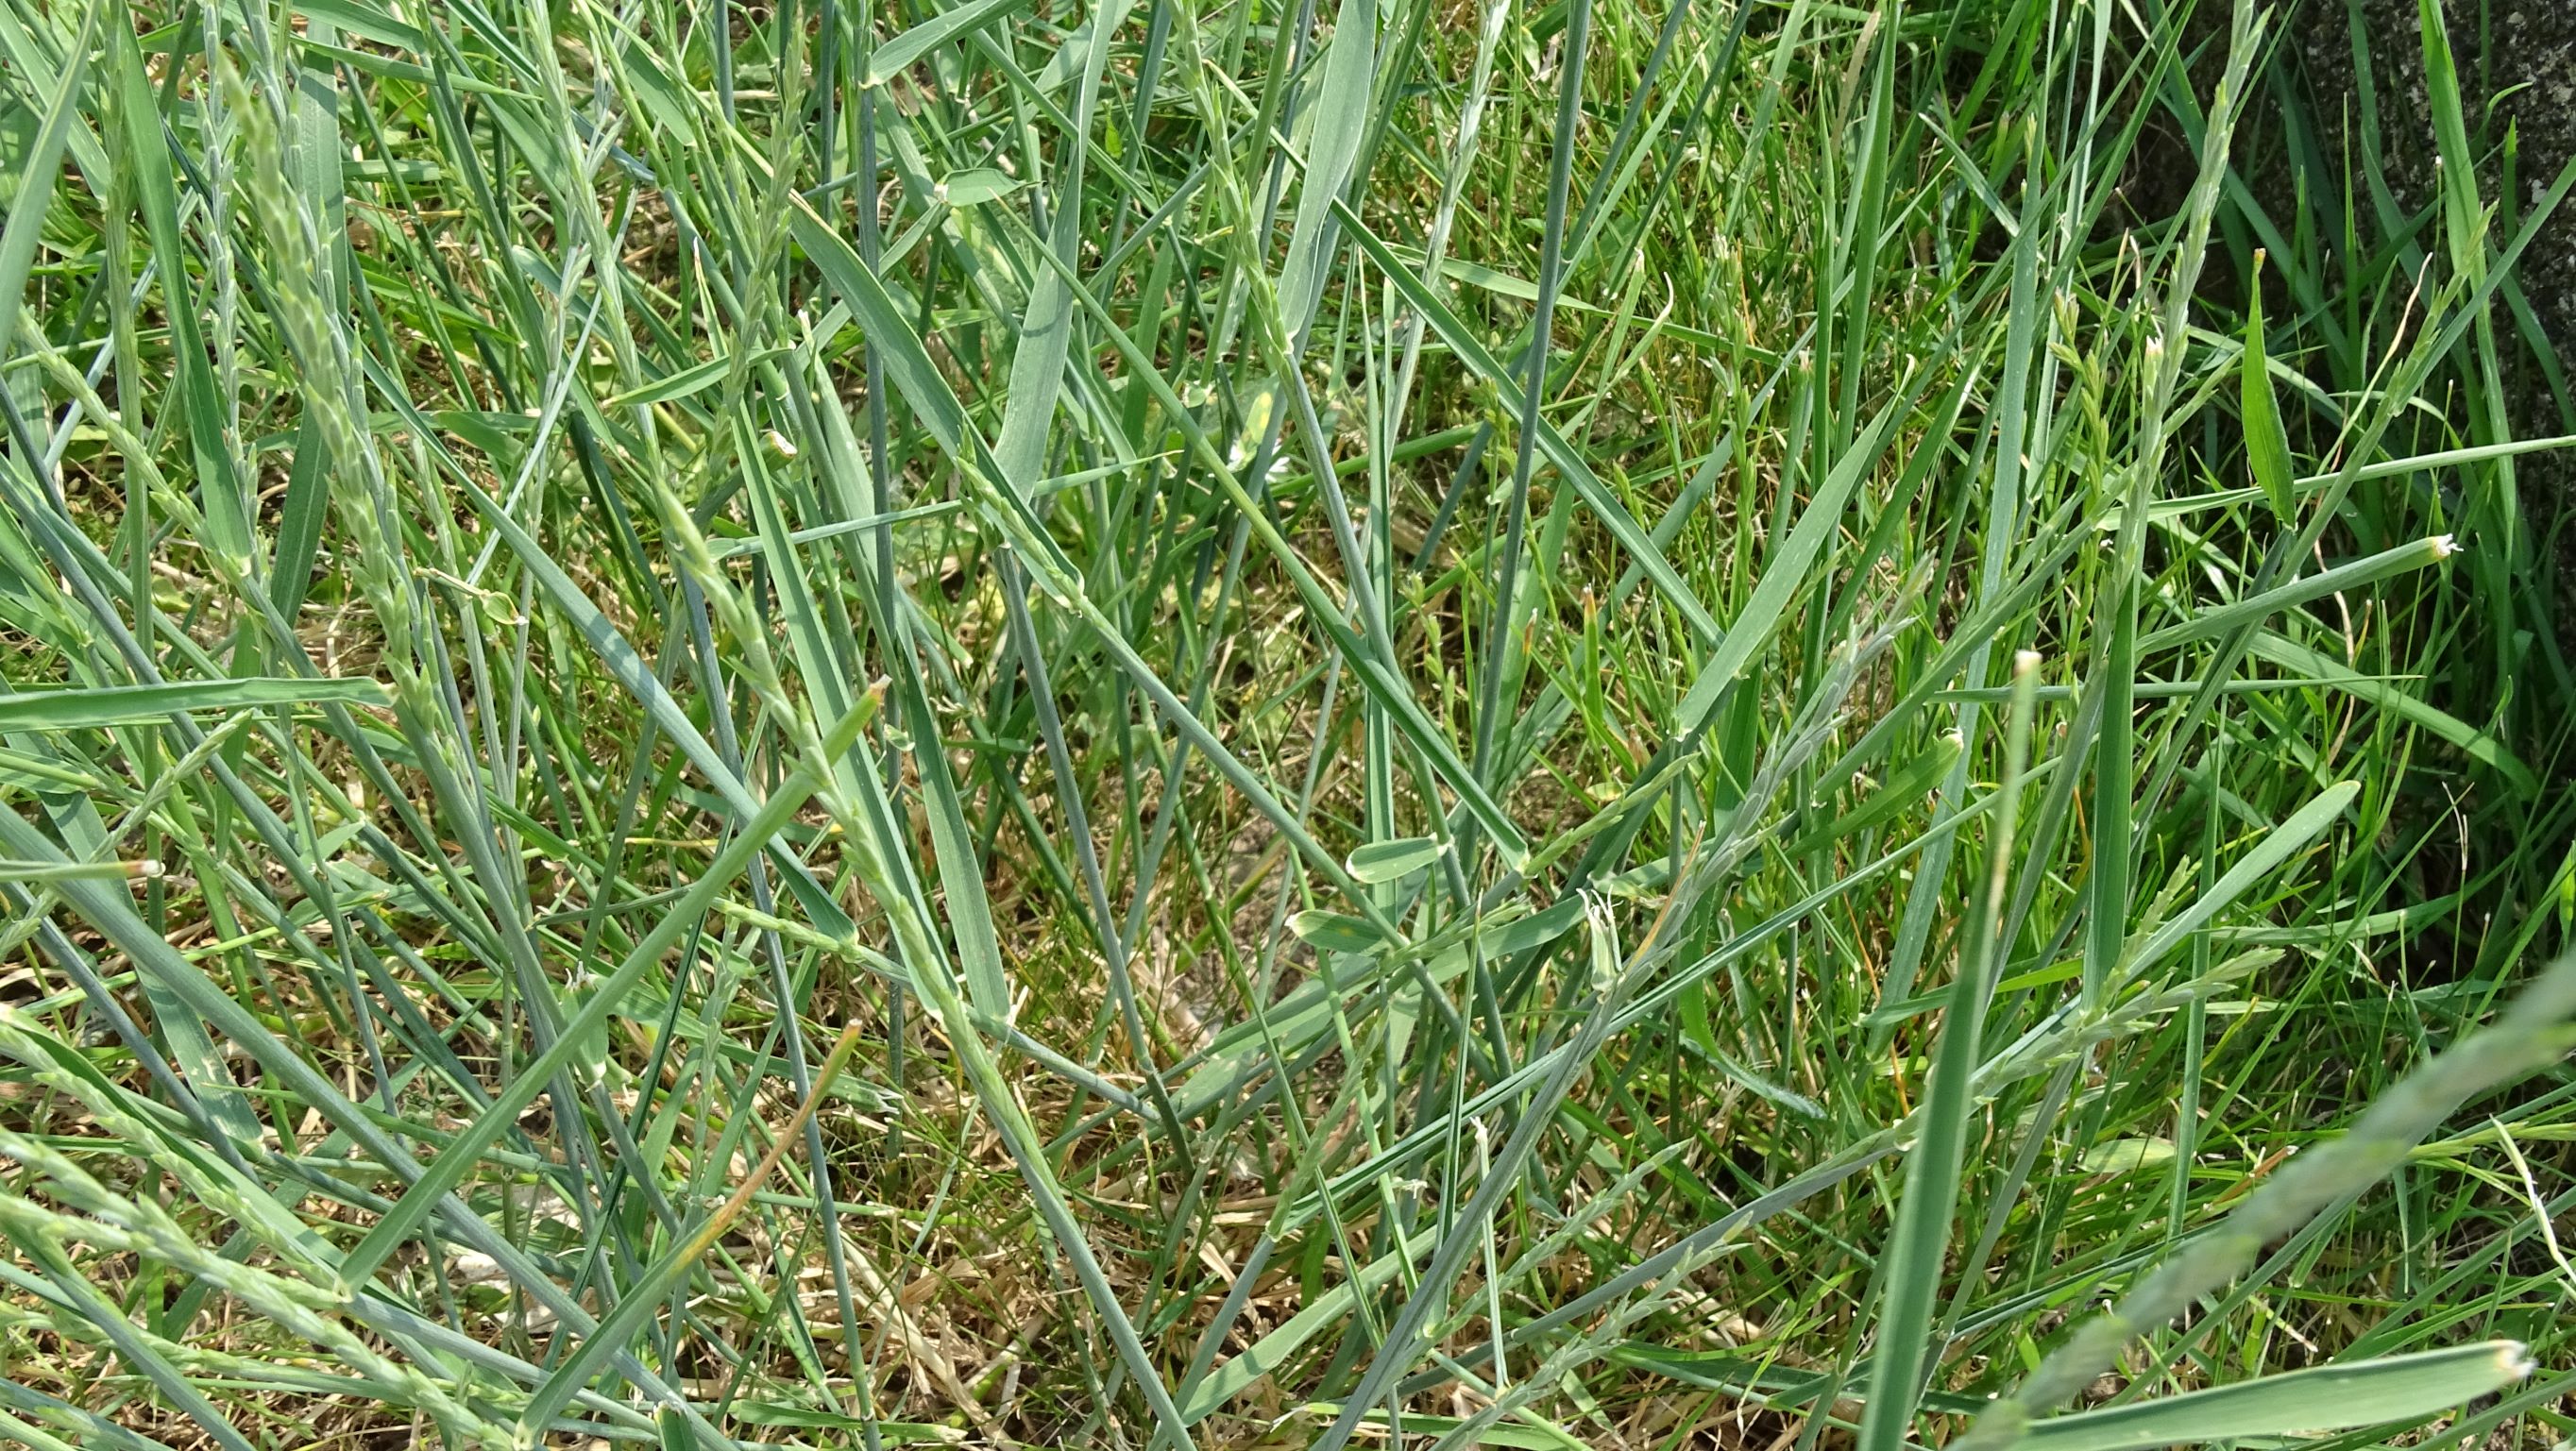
{"x": 895, "y": 56}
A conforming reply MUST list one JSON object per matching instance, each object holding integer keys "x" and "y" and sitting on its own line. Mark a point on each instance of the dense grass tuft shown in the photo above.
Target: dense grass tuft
{"x": 1758, "y": 724}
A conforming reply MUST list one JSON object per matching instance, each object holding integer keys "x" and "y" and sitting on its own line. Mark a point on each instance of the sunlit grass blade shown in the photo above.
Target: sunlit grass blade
{"x": 2399, "y": 1389}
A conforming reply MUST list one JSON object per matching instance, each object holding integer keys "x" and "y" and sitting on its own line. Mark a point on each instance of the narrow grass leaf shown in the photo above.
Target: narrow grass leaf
{"x": 897, "y": 55}
{"x": 2267, "y": 444}
{"x": 113, "y": 705}
{"x": 2396, "y": 1391}
{"x": 1393, "y": 861}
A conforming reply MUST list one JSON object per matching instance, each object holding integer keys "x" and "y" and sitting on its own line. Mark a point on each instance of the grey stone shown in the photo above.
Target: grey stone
{"x": 2516, "y": 63}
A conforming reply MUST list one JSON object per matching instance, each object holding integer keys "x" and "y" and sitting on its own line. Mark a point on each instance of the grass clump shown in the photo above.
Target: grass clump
{"x": 1169, "y": 724}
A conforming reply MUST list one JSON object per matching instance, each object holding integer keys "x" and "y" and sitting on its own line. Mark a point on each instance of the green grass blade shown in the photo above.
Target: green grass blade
{"x": 2395, "y": 1391}
{"x": 2267, "y": 444}
{"x": 898, "y": 55}
{"x": 1910, "y": 1271}
{"x": 116, "y": 705}
{"x": 35, "y": 189}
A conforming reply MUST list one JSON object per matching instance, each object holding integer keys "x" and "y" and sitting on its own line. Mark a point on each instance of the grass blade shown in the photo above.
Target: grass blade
{"x": 2399, "y": 1389}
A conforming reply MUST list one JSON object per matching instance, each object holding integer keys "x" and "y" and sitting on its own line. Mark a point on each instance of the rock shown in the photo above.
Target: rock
{"x": 2516, "y": 63}
{"x": 2517, "y": 74}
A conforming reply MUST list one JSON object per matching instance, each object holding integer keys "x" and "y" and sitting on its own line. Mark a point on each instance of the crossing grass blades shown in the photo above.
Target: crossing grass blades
{"x": 1193, "y": 723}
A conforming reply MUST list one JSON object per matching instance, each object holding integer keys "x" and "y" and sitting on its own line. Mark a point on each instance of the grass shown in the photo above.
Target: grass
{"x": 1763, "y": 724}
